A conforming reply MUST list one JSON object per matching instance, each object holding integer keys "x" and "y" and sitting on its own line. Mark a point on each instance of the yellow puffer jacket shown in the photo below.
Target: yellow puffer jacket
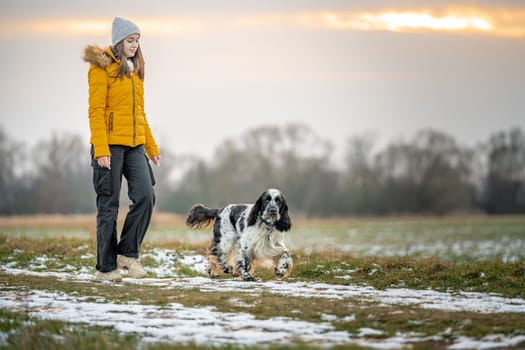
{"x": 116, "y": 107}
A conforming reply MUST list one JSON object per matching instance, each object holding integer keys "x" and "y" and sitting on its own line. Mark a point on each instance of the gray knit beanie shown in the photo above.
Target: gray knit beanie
{"x": 121, "y": 29}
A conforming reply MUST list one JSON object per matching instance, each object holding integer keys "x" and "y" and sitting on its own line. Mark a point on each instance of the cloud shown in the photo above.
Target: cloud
{"x": 502, "y": 22}
{"x": 70, "y": 27}
{"x": 484, "y": 21}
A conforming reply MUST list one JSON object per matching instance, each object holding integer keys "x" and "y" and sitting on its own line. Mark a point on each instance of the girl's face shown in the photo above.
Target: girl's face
{"x": 131, "y": 44}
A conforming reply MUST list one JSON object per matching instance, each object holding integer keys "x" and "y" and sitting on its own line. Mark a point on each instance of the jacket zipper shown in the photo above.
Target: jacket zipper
{"x": 134, "y": 116}
{"x": 110, "y": 123}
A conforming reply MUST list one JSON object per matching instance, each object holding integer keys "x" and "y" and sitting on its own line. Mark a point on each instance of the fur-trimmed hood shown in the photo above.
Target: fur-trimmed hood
{"x": 98, "y": 56}
{"x": 116, "y": 106}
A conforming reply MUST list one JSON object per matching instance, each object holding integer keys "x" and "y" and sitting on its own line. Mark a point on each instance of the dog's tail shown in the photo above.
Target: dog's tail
{"x": 200, "y": 216}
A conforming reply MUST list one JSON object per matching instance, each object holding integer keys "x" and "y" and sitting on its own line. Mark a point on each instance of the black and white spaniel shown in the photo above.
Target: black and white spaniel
{"x": 245, "y": 233}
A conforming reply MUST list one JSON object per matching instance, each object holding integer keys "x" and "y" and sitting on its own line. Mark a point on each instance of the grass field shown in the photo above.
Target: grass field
{"x": 423, "y": 283}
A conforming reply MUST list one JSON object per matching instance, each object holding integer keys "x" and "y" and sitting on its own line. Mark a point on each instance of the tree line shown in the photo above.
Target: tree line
{"x": 429, "y": 174}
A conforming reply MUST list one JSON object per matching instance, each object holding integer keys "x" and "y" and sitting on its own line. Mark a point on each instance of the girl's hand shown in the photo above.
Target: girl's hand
{"x": 104, "y": 162}
{"x": 156, "y": 160}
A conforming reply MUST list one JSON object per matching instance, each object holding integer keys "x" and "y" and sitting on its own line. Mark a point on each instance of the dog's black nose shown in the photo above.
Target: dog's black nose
{"x": 272, "y": 210}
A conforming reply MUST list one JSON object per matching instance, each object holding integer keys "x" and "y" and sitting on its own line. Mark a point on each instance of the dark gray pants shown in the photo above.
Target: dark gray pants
{"x": 133, "y": 164}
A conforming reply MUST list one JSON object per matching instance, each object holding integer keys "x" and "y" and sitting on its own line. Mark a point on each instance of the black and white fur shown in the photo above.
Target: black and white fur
{"x": 244, "y": 233}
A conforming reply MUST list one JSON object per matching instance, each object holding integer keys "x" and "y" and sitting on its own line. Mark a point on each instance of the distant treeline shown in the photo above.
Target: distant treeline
{"x": 431, "y": 173}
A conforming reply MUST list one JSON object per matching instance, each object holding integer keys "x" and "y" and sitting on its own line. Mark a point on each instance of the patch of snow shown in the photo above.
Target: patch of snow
{"x": 428, "y": 299}
{"x": 40, "y": 262}
{"x": 4, "y": 336}
{"x": 496, "y": 341}
{"x": 369, "y": 331}
{"x": 174, "y": 322}
{"x": 327, "y": 317}
{"x": 348, "y": 318}
{"x": 68, "y": 268}
{"x": 345, "y": 277}
{"x": 239, "y": 302}
{"x": 162, "y": 256}
{"x": 166, "y": 260}
{"x": 198, "y": 263}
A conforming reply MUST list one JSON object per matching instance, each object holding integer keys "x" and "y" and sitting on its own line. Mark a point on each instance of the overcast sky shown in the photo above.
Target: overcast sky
{"x": 214, "y": 69}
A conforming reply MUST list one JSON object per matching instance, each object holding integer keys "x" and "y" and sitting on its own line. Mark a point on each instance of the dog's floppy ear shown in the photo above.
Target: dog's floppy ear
{"x": 284, "y": 223}
{"x": 254, "y": 213}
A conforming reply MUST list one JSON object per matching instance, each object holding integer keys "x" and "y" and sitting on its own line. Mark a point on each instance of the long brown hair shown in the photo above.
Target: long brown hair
{"x": 138, "y": 62}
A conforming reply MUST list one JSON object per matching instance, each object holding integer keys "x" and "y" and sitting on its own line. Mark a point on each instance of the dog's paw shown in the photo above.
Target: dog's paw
{"x": 227, "y": 269}
{"x": 248, "y": 278}
{"x": 283, "y": 266}
{"x": 282, "y": 271}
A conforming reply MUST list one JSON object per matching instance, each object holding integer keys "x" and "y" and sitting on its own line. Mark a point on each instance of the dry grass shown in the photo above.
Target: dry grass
{"x": 82, "y": 221}
{"x": 47, "y": 221}
{"x": 452, "y": 218}
{"x": 164, "y": 219}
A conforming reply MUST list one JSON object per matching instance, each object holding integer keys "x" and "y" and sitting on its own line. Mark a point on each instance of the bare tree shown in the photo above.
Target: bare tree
{"x": 63, "y": 175}
{"x": 360, "y": 184}
{"x": 429, "y": 175}
{"x": 505, "y": 182}
{"x": 10, "y": 157}
{"x": 292, "y": 158}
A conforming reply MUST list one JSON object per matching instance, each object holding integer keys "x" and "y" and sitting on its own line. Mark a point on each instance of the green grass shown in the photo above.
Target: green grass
{"x": 446, "y": 273}
{"x": 507, "y": 279}
{"x": 495, "y": 276}
{"x": 30, "y": 333}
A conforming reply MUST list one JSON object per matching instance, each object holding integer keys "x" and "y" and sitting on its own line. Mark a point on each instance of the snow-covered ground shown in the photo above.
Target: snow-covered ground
{"x": 174, "y": 322}
{"x": 177, "y": 323}
{"x": 435, "y": 238}
{"x": 436, "y": 243}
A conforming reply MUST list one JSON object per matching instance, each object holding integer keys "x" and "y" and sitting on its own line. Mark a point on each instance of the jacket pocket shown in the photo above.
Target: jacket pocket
{"x": 110, "y": 124}
{"x": 152, "y": 176}
{"x": 102, "y": 181}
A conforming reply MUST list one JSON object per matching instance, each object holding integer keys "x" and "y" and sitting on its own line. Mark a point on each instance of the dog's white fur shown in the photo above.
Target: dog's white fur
{"x": 244, "y": 234}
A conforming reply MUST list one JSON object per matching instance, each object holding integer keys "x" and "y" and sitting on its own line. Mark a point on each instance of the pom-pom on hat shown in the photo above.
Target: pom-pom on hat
{"x": 121, "y": 29}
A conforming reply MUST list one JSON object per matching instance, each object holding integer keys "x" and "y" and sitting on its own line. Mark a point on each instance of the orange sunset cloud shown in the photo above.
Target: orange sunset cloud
{"x": 497, "y": 22}
{"x": 457, "y": 20}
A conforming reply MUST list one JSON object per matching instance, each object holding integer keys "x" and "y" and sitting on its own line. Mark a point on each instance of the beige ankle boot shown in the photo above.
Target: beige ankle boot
{"x": 135, "y": 269}
{"x": 108, "y": 276}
